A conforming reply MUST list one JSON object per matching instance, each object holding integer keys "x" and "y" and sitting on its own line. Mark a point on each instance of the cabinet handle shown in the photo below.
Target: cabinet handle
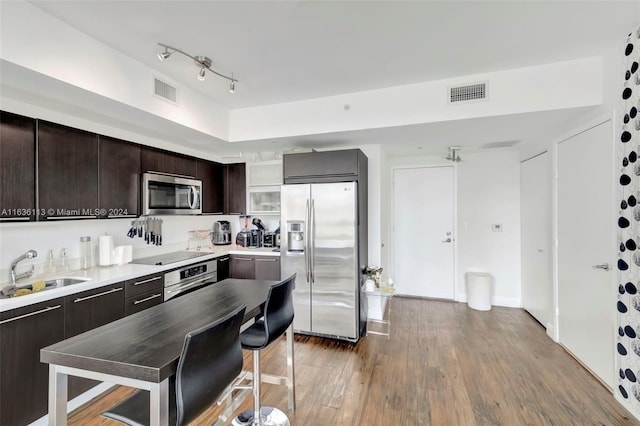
{"x": 243, "y": 258}
{"x": 235, "y": 213}
{"x": 146, "y": 281}
{"x": 82, "y": 299}
{"x": 266, "y": 260}
{"x": 16, "y": 218}
{"x": 71, "y": 217}
{"x": 47, "y": 309}
{"x": 135, "y": 302}
{"x": 211, "y": 213}
{"x": 223, "y": 259}
{"x": 123, "y": 216}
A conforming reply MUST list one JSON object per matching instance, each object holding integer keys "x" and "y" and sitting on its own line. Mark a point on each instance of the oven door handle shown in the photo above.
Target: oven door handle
{"x": 177, "y": 289}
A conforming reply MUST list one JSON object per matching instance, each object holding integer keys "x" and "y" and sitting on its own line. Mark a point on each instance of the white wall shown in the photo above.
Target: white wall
{"x": 17, "y": 238}
{"x": 545, "y": 87}
{"x": 487, "y": 192}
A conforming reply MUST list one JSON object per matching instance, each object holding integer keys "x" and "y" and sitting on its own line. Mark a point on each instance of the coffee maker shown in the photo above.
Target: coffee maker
{"x": 221, "y": 233}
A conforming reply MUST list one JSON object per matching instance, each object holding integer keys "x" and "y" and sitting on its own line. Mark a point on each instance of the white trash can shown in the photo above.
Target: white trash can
{"x": 479, "y": 290}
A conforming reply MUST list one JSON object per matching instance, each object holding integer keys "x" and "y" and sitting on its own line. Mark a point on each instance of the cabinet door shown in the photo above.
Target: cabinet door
{"x": 331, "y": 165}
{"x": 119, "y": 169}
{"x": 17, "y": 167}
{"x": 155, "y": 160}
{"x": 243, "y": 267}
{"x": 267, "y": 268}
{"x": 223, "y": 267}
{"x": 67, "y": 171}
{"x": 212, "y": 176}
{"x": 23, "y": 378}
{"x": 86, "y": 311}
{"x": 235, "y": 195}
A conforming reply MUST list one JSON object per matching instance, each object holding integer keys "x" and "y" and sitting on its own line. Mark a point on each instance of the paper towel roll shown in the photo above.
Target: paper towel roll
{"x": 106, "y": 250}
{"x": 128, "y": 254}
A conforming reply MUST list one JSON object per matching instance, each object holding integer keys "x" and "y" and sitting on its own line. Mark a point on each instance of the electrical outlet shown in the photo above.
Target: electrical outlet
{"x": 496, "y": 227}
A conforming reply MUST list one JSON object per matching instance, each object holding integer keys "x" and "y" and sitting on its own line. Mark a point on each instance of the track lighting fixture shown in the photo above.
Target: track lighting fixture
{"x": 453, "y": 154}
{"x": 202, "y": 62}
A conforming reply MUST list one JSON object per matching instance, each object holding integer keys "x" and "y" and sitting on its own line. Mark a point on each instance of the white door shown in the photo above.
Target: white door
{"x": 586, "y": 295}
{"x": 537, "y": 234}
{"x": 423, "y": 238}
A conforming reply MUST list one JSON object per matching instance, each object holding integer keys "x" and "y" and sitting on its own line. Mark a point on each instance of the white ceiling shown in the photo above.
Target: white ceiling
{"x": 283, "y": 51}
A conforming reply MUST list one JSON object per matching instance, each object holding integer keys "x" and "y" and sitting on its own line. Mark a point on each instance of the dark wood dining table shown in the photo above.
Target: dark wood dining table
{"x": 142, "y": 350}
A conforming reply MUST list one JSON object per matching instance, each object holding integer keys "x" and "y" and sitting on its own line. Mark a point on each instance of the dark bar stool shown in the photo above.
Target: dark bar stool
{"x": 278, "y": 316}
{"x": 211, "y": 359}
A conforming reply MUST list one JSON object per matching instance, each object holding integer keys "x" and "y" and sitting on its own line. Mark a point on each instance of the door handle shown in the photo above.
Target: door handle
{"x": 604, "y": 266}
{"x": 448, "y": 240}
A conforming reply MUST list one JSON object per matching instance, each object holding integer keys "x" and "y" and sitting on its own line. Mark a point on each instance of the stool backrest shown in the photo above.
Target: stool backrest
{"x": 278, "y": 310}
{"x": 211, "y": 359}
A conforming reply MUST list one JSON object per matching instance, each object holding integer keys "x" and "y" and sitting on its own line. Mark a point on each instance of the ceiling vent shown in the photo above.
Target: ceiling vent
{"x": 504, "y": 144}
{"x": 165, "y": 91}
{"x": 468, "y": 92}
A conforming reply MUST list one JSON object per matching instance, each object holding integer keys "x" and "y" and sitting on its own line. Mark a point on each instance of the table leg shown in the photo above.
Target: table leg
{"x": 159, "y": 403}
{"x": 291, "y": 379}
{"x": 57, "y": 397}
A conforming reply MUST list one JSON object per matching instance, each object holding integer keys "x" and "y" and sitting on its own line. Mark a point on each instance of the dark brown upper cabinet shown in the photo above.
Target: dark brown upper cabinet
{"x": 67, "y": 172}
{"x": 212, "y": 176}
{"x": 17, "y": 167}
{"x": 235, "y": 189}
{"x": 119, "y": 178}
{"x": 155, "y": 160}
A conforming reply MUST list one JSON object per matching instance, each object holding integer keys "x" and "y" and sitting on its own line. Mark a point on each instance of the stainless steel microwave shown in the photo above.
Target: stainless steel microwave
{"x": 170, "y": 195}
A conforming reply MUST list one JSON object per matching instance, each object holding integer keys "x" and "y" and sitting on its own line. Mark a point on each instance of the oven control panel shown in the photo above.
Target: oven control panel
{"x": 189, "y": 272}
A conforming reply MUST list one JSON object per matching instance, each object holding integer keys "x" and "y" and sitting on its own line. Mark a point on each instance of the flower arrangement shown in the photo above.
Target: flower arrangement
{"x": 373, "y": 273}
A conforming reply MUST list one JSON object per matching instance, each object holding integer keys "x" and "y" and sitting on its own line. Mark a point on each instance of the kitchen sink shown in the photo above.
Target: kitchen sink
{"x": 61, "y": 282}
{"x": 23, "y": 290}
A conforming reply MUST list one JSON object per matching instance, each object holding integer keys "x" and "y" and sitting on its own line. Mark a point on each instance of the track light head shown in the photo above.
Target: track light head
{"x": 232, "y": 86}
{"x": 453, "y": 155}
{"x": 201, "y": 74}
{"x": 164, "y": 55}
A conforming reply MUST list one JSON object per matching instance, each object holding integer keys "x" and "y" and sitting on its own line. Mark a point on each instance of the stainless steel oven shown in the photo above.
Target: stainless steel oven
{"x": 189, "y": 278}
{"x": 171, "y": 194}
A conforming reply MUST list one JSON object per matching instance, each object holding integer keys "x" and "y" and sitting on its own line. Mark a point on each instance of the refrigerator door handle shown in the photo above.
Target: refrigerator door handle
{"x": 306, "y": 236}
{"x": 312, "y": 242}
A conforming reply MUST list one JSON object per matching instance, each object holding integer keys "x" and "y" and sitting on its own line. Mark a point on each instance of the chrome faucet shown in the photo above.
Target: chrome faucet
{"x": 16, "y": 277}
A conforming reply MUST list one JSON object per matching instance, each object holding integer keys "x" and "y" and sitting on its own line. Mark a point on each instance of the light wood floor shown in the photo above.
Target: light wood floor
{"x": 445, "y": 364}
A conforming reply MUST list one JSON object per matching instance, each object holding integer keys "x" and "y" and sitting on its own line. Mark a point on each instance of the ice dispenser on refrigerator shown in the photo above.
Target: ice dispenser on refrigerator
{"x": 295, "y": 236}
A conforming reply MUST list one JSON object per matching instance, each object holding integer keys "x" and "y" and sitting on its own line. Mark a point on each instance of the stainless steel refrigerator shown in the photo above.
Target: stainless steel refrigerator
{"x": 320, "y": 241}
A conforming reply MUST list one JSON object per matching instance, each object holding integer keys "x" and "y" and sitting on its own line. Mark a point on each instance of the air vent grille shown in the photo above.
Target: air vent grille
{"x": 468, "y": 92}
{"x": 165, "y": 91}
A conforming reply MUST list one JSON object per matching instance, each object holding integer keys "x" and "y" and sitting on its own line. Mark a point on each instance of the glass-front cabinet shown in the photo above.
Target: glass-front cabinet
{"x": 263, "y": 187}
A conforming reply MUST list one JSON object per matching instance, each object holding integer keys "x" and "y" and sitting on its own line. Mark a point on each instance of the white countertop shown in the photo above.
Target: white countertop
{"x": 101, "y": 276}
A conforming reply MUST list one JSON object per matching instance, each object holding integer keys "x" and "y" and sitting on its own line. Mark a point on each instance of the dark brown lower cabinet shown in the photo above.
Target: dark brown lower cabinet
{"x": 243, "y": 266}
{"x": 254, "y": 267}
{"x": 88, "y": 310}
{"x": 23, "y": 378}
{"x": 267, "y": 268}
{"x": 142, "y": 301}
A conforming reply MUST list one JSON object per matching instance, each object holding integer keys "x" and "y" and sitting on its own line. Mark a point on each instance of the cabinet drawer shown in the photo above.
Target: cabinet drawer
{"x": 143, "y": 301}
{"x": 243, "y": 267}
{"x": 140, "y": 285}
